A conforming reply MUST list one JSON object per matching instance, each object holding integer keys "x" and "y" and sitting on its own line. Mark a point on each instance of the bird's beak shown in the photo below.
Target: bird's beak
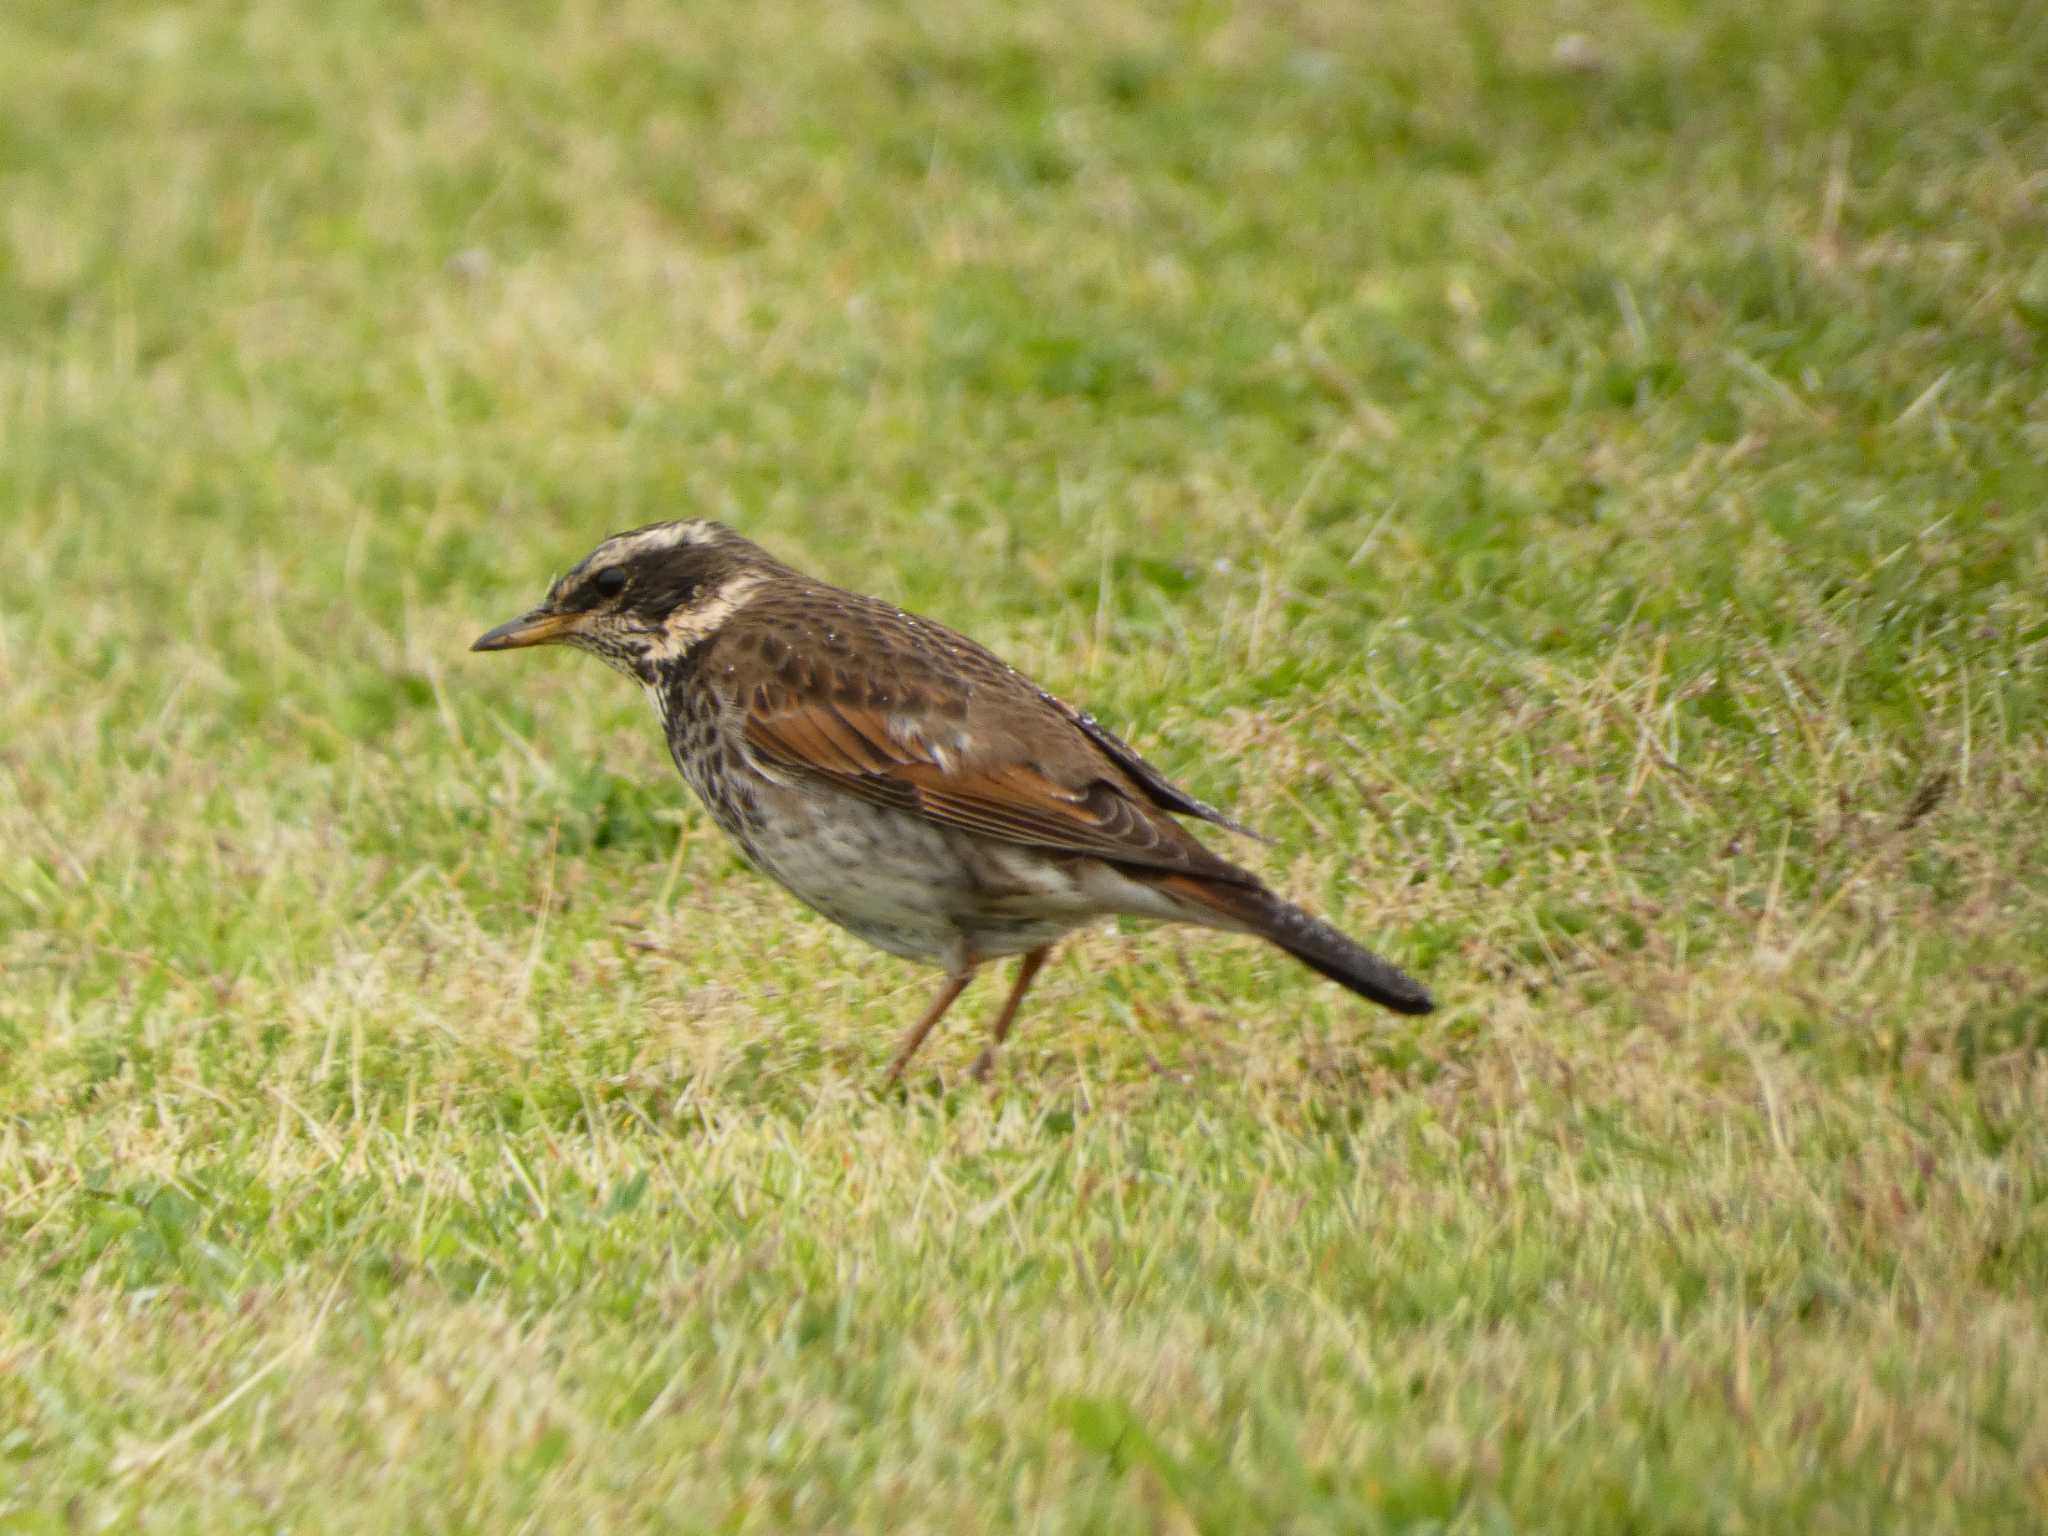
{"x": 540, "y": 627}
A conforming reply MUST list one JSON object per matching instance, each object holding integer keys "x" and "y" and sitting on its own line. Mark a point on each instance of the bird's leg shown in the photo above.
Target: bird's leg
{"x": 914, "y": 1036}
{"x": 1032, "y": 963}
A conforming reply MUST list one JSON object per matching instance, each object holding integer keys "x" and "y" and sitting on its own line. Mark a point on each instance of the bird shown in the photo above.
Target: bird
{"x": 902, "y": 780}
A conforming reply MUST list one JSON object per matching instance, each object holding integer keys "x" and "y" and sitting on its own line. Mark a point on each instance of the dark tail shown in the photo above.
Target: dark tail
{"x": 1309, "y": 939}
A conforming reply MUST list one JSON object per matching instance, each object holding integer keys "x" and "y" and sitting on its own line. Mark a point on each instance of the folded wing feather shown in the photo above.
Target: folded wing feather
{"x": 866, "y": 753}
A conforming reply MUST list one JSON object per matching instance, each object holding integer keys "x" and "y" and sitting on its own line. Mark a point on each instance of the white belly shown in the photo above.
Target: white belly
{"x": 899, "y": 882}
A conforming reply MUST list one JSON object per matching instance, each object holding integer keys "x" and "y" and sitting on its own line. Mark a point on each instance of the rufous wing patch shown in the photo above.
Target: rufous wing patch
{"x": 855, "y": 750}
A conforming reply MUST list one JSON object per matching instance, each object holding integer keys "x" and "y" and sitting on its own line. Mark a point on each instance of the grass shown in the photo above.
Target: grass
{"x": 1585, "y": 502}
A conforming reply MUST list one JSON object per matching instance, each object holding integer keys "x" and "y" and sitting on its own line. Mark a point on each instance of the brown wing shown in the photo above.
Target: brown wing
{"x": 1062, "y": 803}
{"x": 1161, "y": 790}
{"x": 904, "y": 712}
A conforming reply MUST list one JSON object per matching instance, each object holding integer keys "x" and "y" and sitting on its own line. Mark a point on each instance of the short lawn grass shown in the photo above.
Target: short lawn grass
{"x": 1572, "y": 473}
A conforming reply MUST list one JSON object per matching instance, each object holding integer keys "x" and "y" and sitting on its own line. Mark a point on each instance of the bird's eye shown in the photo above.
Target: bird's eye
{"x": 609, "y": 582}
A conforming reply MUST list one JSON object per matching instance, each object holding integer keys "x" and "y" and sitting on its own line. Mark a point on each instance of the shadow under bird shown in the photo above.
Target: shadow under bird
{"x": 902, "y": 780}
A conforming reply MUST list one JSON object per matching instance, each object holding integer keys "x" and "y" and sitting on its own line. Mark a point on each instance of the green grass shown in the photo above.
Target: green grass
{"x": 1595, "y": 519}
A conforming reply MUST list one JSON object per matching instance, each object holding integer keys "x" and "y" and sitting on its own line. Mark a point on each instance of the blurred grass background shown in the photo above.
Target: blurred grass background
{"x": 1572, "y": 472}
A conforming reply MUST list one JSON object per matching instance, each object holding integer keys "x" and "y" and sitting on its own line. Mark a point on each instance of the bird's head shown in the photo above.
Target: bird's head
{"x": 644, "y": 597}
